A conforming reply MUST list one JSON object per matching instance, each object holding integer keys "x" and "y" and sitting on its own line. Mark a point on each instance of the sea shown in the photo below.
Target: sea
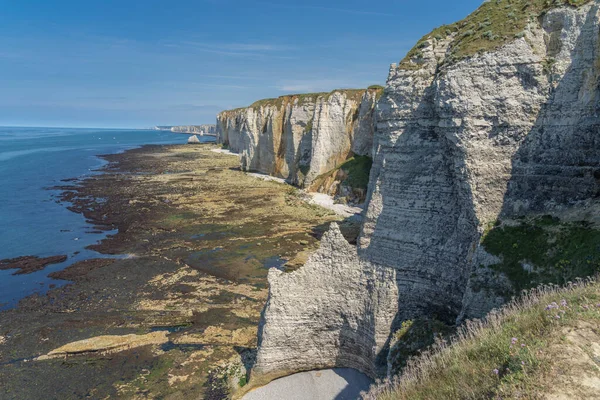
{"x": 32, "y": 220}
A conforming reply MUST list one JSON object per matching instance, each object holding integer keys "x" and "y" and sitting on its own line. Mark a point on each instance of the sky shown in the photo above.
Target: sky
{"x": 140, "y": 63}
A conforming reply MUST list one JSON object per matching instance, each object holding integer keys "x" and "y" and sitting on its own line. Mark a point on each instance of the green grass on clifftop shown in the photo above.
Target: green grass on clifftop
{"x": 543, "y": 344}
{"x": 492, "y": 25}
{"x": 303, "y": 98}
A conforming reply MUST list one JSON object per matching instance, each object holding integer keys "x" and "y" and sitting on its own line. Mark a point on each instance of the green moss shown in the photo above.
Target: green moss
{"x": 309, "y": 126}
{"x": 492, "y": 25}
{"x": 559, "y": 252}
{"x": 413, "y": 337}
{"x": 358, "y": 169}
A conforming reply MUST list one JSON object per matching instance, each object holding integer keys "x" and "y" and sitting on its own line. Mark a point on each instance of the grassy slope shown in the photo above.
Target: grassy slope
{"x": 492, "y": 25}
{"x": 355, "y": 94}
{"x": 515, "y": 353}
{"x": 555, "y": 251}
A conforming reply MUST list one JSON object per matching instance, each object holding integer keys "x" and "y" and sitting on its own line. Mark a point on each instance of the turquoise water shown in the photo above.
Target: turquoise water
{"x": 32, "y": 221}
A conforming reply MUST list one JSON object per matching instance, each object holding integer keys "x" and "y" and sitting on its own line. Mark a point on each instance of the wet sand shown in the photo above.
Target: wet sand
{"x": 176, "y": 316}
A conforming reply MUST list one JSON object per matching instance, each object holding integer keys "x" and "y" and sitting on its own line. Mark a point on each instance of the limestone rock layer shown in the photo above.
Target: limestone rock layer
{"x": 506, "y": 132}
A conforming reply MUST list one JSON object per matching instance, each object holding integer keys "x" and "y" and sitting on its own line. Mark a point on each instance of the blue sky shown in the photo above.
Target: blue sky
{"x": 139, "y": 63}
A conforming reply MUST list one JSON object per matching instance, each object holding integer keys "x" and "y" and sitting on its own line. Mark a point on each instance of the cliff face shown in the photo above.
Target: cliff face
{"x": 304, "y": 139}
{"x": 463, "y": 138}
{"x": 195, "y": 129}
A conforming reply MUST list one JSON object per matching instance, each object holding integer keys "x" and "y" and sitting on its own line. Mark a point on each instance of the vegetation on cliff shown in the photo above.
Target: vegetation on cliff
{"x": 354, "y": 94}
{"x": 544, "y": 343}
{"x": 544, "y": 250}
{"x": 357, "y": 170}
{"x": 492, "y": 25}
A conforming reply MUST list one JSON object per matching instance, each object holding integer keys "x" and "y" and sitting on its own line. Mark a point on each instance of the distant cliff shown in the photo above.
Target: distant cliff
{"x": 196, "y": 129}
{"x": 319, "y": 141}
{"x": 206, "y": 129}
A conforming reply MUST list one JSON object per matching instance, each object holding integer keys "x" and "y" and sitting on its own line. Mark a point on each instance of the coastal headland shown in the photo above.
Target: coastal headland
{"x": 176, "y": 313}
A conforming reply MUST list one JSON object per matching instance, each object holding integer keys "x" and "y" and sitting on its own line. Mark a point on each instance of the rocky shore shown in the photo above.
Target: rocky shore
{"x": 176, "y": 314}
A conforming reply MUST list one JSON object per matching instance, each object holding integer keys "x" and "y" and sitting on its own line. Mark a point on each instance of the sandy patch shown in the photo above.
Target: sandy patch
{"x": 107, "y": 344}
{"x": 327, "y": 201}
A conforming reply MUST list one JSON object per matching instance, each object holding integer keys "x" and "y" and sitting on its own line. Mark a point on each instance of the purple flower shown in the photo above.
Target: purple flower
{"x": 557, "y": 316}
{"x": 563, "y": 303}
{"x": 514, "y": 340}
{"x": 495, "y": 371}
{"x": 522, "y": 362}
{"x": 522, "y": 344}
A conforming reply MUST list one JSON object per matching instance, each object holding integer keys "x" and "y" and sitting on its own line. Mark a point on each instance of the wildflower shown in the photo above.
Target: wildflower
{"x": 563, "y": 303}
{"x": 598, "y": 305}
{"x": 553, "y": 305}
{"x": 522, "y": 362}
{"x": 522, "y": 344}
{"x": 557, "y": 316}
{"x": 495, "y": 371}
{"x": 514, "y": 340}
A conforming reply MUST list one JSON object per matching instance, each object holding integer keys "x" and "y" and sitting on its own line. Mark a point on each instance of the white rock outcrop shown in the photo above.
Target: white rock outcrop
{"x": 504, "y": 133}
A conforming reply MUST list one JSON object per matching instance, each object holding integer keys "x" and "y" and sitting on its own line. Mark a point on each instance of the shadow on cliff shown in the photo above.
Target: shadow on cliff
{"x": 349, "y": 226}
{"x": 427, "y": 228}
{"x": 558, "y": 164}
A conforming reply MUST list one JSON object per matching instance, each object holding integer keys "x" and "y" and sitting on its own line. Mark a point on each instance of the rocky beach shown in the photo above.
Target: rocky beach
{"x": 176, "y": 313}
{"x": 434, "y": 238}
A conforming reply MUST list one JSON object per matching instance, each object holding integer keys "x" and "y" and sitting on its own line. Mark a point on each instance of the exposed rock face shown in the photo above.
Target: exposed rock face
{"x": 508, "y": 132}
{"x": 346, "y": 305}
{"x": 30, "y": 264}
{"x": 301, "y": 138}
{"x": 207, "y": 129}
{"x": 107, "y": 344}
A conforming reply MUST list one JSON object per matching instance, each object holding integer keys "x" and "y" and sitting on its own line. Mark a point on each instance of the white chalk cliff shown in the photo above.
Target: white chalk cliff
{"x": 460, "y": 141}
{"x": 302, "y": 138}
